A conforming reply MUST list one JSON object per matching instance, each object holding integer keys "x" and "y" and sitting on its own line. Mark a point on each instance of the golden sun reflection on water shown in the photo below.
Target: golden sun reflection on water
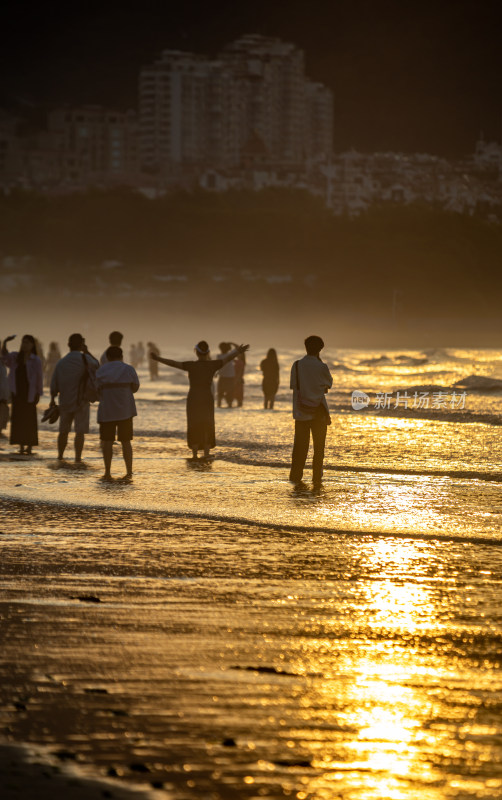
{"x": 374, "y": 698}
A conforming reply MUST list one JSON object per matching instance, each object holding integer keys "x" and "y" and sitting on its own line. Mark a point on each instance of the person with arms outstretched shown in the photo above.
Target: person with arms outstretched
{"x": 200, "y": 398}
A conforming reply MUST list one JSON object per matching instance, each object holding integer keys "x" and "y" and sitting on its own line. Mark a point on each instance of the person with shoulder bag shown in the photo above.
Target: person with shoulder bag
{"x": 73, "y": 380}
{"x": 310, "y": 381}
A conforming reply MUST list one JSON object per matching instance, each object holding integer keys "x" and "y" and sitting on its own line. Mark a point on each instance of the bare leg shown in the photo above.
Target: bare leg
{"x": 62, "y": 442}
{"x": 107, "y": 448}
{"x": 79, "y": 446}
{"x": 28, "y": 450}
{"x": 195, "y": 453}
{"x": 127, "y": 454}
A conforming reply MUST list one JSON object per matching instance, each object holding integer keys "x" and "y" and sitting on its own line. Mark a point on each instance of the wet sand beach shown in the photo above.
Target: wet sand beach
{"x": 227, "y": 662}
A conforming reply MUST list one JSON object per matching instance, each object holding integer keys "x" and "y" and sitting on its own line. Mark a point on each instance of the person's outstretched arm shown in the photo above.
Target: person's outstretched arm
{"x": 167, "y": 361}
{"x": 233, "y": 353}
{"x": 5, "y": 352}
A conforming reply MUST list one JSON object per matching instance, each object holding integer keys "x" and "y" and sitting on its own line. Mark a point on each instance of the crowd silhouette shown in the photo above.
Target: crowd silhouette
{"x": 78, "y": 379}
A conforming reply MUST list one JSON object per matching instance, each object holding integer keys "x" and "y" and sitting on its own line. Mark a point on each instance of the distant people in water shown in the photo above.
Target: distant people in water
{"x": 117, "y": 382}
{"x": 270, "y": 384}
{"x": 140, "y": 353}
{"x": 239, "y": 367}
{"x": 226, "y": 377}
{"x": 67, "y": 382}
{"x": 53, "y": 356}
{"x": 310, "y": 381}
{"x": 133, "y": 356}
{"x": 200, "y": 399}
{"x": 26, "y": 386}
{"x": 4, "y": 399}
{"x": 153, "y": 365}
{"x": 115, "y": 339}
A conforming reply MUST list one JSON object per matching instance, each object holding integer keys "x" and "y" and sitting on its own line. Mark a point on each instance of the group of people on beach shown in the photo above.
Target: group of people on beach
{"x": 78, "y": 379}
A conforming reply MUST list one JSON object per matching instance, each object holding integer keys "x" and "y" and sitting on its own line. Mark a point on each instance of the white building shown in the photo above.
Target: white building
{"x": 188, "y": 115}
{"x": 96, "y": 146}
{"x": 253, "y": 104}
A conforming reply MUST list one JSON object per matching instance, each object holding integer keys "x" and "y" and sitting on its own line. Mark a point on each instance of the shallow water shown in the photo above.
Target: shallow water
{"x": 255, "y": 641}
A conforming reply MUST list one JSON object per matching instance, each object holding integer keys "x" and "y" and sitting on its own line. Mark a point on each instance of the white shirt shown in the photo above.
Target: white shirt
{"x": 314, "y": 377}
{"x": 228, "y": 369}
{"x": 66, "y": 378}
{"x": 116, "y": 383}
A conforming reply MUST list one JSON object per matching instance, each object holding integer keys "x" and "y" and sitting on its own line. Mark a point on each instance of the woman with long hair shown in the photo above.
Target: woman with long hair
{"x": 200, "y": 398}
{"x": 270, "y": 384}
{"x": 26, "y": 385}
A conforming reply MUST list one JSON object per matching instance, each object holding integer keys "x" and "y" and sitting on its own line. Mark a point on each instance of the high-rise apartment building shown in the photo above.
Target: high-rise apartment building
{"x": 196, "y": 113}
{"x": 187, "y": 112}
{"x": 96, "y": 145}
{"x": 319, "y": 122}
{"x": 270, "y": 76}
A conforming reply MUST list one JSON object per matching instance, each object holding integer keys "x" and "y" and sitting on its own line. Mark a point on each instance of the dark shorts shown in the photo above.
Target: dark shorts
{"x": 123, "y": 429}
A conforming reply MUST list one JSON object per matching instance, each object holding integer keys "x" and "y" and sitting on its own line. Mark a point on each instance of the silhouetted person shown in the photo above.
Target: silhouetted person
{"x": 153, "y": 365}
{"x": 116, "y": 384}
{"x": 26, "y": 385}
{"x": 4, "y": 398}
{"x": 115, "y": 339}
{"x": 140, "y": 353}
{"x": 270, "y": 384}
{"x": 133, "y": 356}
{"x": 310, "y": 380}
{"x": 53, "y": 356}
{"x": 200, "y": 399}
{"x": 226, "y": 377}
{"x": 239, "y": 367}
{"x": 67, "y": 382}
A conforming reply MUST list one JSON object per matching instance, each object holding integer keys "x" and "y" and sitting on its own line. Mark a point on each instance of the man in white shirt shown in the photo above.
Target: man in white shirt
{"x": 310, "y": 380}
{"x": 67, "y": 382}
{"x": 226, "y": 377}
{"x": 116, "y": 383}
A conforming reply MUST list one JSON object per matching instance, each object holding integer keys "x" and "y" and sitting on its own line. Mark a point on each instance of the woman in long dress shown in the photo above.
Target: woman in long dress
{"x": 270, "y": 368}
{"x": 200, "y": 398}
{"x": 26, "y": 385}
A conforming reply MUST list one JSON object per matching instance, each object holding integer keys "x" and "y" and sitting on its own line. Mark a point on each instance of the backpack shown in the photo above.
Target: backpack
{"x": 88, "y": 389}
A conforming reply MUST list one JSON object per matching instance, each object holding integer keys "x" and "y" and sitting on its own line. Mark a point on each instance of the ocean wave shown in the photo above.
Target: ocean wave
{"x": 257, "y": 525}
{"x": 479, "y": 383}
{"x": 491, "y": 477}
{"x": 375, "y": 362}
{"x": 401, "y": 360}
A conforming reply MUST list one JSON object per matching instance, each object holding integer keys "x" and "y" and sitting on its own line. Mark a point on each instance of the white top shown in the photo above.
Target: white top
{"x": 66, "y": 378}
{"x": 228, "y": 369}
{"x": 116, "y": 383}
{"x": 314, "y": 377}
